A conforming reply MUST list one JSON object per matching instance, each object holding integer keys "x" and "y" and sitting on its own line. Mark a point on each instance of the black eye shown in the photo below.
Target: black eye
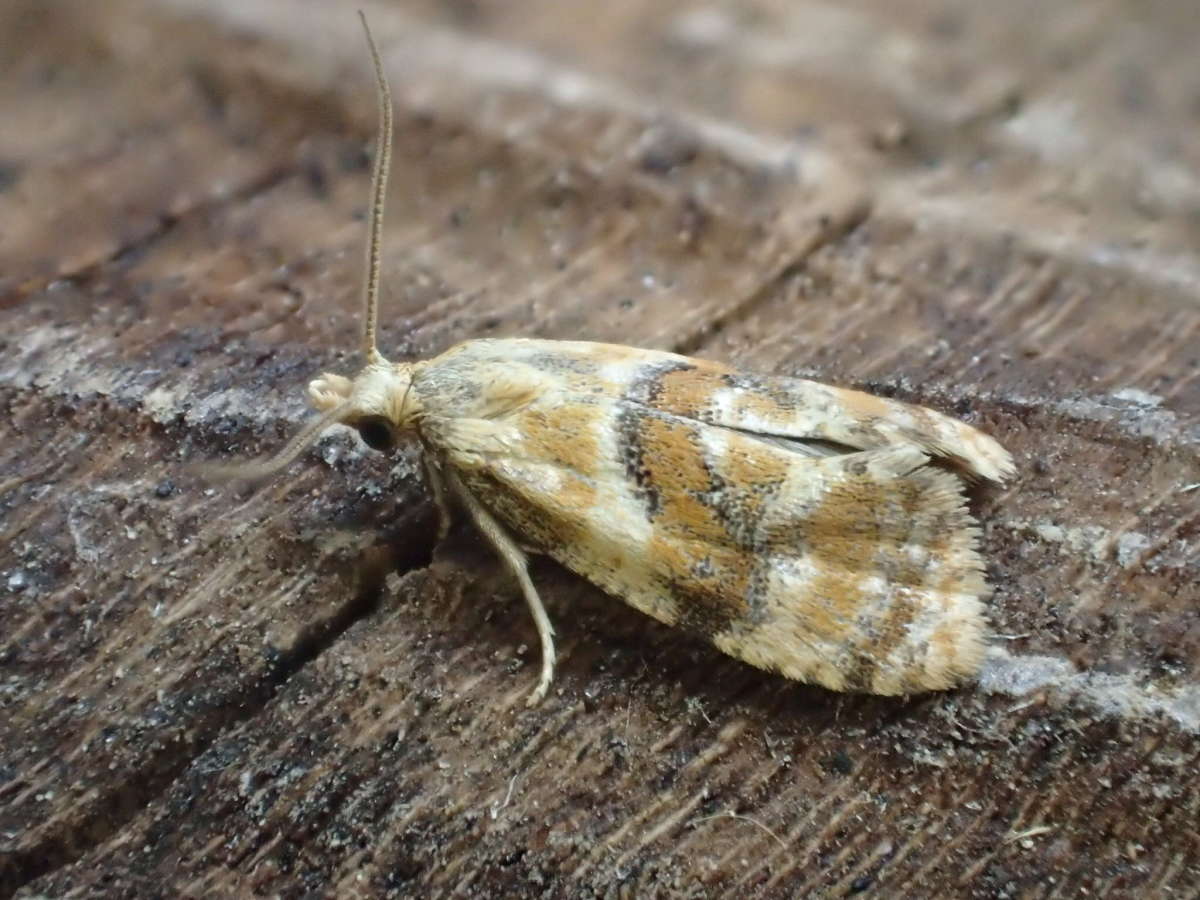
{"x": 377, "y": 433}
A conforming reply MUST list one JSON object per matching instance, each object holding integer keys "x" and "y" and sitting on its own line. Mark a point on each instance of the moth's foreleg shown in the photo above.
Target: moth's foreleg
{"x": 514, "y": 558}
{"x": 438, "y": 486}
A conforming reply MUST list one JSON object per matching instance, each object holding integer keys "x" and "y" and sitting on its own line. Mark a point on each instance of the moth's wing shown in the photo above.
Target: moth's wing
{"x": 804, "y": 416}
{"x": 857, "y": 571}
{"x": 820, "y": 418}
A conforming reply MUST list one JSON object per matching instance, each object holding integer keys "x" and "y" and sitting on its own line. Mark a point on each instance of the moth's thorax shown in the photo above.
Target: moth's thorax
{"x": 380, "y": 389}
{"x": 466, "y": 382}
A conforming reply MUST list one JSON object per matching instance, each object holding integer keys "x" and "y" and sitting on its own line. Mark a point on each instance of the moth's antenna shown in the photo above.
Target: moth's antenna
{"x": 379, "y": 179}
{"x": 261, "y": 468}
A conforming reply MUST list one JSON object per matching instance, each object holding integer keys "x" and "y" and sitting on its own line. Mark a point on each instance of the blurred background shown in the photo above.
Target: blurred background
{"x": 992, "y": 209}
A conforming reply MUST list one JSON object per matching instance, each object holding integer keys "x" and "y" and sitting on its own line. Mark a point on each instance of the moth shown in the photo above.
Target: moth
{"x": 809, "y": 530}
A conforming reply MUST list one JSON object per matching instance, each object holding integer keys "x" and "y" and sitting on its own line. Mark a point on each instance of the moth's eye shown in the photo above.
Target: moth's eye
{"x": 377, "y": 433}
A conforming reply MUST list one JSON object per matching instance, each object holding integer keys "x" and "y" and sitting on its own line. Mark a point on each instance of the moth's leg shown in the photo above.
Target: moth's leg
{"x": 438, "y": 485}
{"x": 515, "y": 560}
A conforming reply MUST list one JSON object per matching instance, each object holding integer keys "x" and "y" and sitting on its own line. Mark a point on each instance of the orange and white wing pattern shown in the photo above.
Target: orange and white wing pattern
{"x": 801, "y": 410}
{"x": 856, "y": 570}
{"x": 822, "y": 418}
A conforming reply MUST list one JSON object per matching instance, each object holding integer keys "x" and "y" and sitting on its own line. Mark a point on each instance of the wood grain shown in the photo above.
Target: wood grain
{"x": 991, "y": 210}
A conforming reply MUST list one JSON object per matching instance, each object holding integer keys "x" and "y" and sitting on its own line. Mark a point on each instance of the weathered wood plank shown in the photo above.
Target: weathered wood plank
{"x": 212, "y": 692}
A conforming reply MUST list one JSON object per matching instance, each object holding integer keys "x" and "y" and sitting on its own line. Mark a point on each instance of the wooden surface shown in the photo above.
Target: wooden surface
{"x": 993, "y": 209}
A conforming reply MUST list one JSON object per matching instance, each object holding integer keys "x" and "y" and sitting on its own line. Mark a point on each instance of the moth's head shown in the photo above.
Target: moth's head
{"x": 379, "y": 402}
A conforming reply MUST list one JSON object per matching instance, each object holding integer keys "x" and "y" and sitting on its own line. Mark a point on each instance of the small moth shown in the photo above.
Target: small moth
{"x": 802, "y": 528}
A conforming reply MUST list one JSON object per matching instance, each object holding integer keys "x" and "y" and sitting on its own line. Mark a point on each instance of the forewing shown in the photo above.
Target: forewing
{"x": 814, "y": 418}
{"x": 856, "y": 571}
{"x": 820, "y": 418}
